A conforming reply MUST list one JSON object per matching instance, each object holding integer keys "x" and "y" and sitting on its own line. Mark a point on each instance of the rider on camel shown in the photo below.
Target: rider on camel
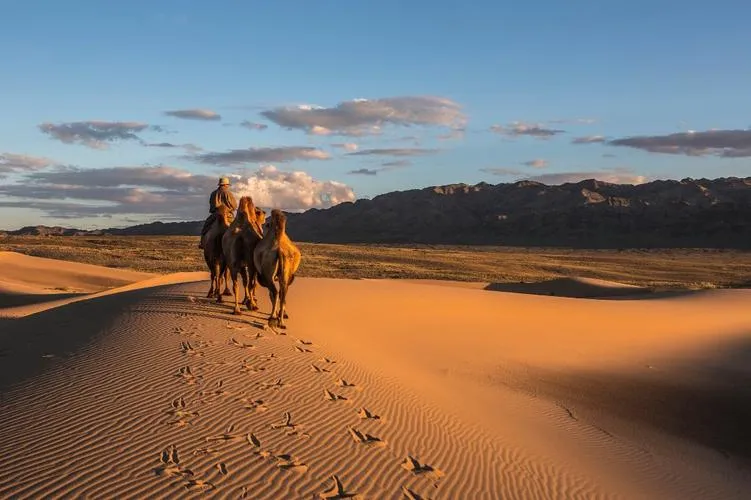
{"x": 220, "y": 196}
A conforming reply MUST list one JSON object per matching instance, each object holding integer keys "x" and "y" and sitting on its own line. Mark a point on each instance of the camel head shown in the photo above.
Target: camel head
{"x": 246, "y": 213}
{"x": 224, "y": 216}
{"x": 261, "y": 216}
{"x": 278, "y": 221}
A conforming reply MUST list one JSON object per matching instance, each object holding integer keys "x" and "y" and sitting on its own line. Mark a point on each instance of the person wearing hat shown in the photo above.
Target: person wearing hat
{"x": 220, "y": 196}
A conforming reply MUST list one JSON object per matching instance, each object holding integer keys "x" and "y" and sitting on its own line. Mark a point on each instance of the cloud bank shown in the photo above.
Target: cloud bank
{"x": 722, "y": 143}
{"x": 366, "y": 116}
{"x": 10, "y": 162}
{"x": 96, "y": 134}
{"x": 163, "y": 192}
{"x": 261, "y": 155}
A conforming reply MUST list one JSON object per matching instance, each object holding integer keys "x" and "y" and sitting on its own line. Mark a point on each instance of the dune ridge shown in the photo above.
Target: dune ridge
{"x": 151, "y": 390}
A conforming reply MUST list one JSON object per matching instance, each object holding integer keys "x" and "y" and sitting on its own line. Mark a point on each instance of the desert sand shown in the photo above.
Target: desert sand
{"x": 116, "y": 384}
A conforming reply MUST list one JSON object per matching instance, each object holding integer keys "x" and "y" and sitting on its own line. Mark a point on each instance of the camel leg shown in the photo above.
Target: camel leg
{"x": 244, "y": 273}
{"x": 250, "y": 292}
{"x": 217, "y": 277}
{"x": 222, "y": 276}
{"x": 227, "y": 292}
{"x": 236, "y": 286}
{"x": 211, "y": 286}
{"x": 274, "y": 296}
{"x": 281, "y": 313}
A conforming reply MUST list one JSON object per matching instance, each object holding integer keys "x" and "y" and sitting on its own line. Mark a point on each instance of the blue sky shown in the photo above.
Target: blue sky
{"x": 457, "y": 92}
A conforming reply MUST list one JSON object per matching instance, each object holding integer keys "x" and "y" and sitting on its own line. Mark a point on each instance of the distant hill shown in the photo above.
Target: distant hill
{"x": 688, "y": 213}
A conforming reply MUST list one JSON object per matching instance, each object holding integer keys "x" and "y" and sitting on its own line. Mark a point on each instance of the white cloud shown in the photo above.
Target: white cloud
{"x": 516, "y": 129}
{"x": 274, "y": 188}
{"x": 347, "y": 146}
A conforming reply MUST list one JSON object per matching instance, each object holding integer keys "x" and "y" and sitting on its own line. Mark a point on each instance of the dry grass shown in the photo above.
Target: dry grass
{"x": 679, "y": 268}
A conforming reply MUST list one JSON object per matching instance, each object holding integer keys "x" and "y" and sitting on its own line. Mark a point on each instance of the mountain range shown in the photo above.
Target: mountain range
{"x": 713, "y": 213}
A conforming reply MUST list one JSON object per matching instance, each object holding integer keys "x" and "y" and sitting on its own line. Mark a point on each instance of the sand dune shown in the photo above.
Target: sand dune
{"x": 379, "y": 389}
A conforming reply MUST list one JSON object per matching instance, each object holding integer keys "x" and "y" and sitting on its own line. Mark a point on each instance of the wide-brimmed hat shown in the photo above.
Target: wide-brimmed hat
{"x": 223, "y": 181}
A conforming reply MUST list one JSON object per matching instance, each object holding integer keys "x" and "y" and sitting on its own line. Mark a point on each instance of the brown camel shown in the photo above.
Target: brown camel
{"x": 238, "y": 244}
{"x": 276, "y": 258}
{"x": 225, "y": 277}
{"x": 212, "y": 249}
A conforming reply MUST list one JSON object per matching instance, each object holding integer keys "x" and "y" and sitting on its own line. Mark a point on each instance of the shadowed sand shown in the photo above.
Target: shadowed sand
{"x": 378, "y": 389}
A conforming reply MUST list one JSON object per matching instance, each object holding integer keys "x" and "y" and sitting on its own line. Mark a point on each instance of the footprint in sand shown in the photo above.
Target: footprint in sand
{"x": 412, "y": 465}
{"x": 330, "y": 396}
{"x": 364, "y": 413}
{"x": 253, "y": 440}
{"x": 199, "y": 485}
{"x": 336, "y": 491}
{"x": 253, "y": 404}
{"x": 222, "y": 467}
{"x": 364, "y": 438}
{"x": 188, "y": 349}
{"x": 170, "y": 464}
{"x": 235, "y": 327}
{"x": 304, "y": 342}
{"x": 327, "y": 360}
{"x": 301, "y": 349}
{"x": 233, "y": 341}
{"x": 290, "y": 428}
{"x": 411, "y": 495}
{"x": 205, "y": 451}
{"x": 285, "y": 462}
{"x": 187, "y": 375}
{"x": 228, "y": 435}
{"x": 286, "y": 422}
{"x": 343, "y": 383}
{"x": 276, "y": 385}
{"x": 318, "y": 370}
{"x": 178, "y": 409}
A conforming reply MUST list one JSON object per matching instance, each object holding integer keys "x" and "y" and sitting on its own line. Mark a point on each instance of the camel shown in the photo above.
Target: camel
{"x": 276, "y": 258}
{"x": 238, "y": 244}
{"x": 226, "y": 278}
{"x": 212, "y": 250}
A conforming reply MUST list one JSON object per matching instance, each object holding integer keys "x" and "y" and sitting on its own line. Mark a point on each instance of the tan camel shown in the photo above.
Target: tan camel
{"x": 238, "y": 244}
{"x": 276, "y": 258}
{"x": 212, "y": 249}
